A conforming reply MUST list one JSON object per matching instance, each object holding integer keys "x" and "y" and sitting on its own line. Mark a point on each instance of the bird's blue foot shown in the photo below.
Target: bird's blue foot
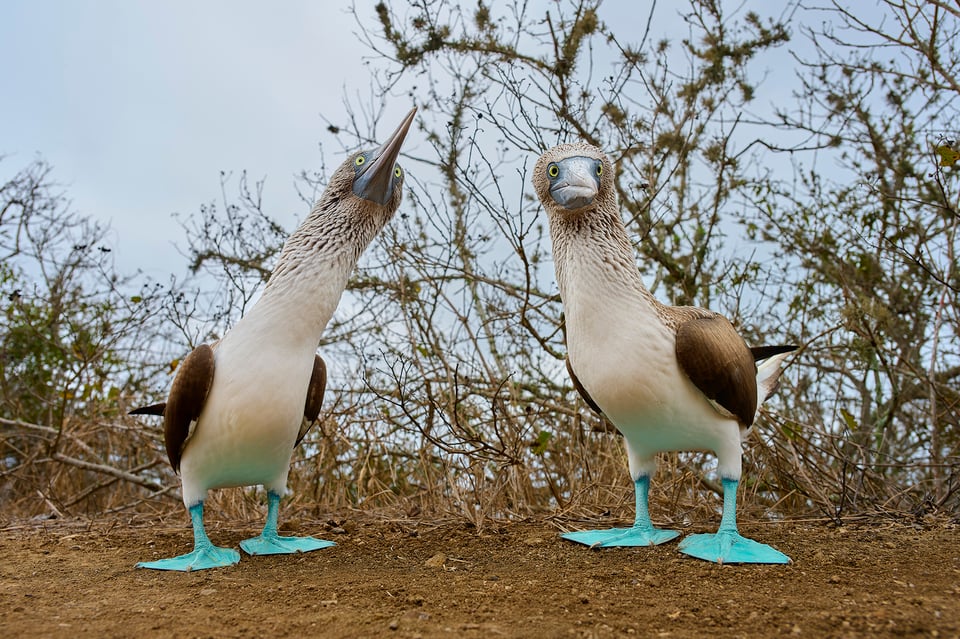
{"x": 730, "y": 547}
{"x": 267, "y": 544}
{"x": 208, "y": 556}
{"x": 615, "y": 537}
{"x": 642, "y": 533}
{"x": 205, "y": 554}
{"x": 271, "y": 543}
{"x": 727, "y": 546}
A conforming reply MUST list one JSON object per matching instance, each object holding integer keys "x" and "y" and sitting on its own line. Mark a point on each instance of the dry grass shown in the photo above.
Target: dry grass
{"x": 353, "y": 464}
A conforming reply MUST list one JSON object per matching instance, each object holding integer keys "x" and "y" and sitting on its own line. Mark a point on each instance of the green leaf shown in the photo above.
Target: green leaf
{"x": 539, "y": 446}
{"x": 849, "y": 419}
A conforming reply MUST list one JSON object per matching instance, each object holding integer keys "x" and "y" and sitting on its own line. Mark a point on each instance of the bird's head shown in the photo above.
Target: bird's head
{"x": 361, "y": 197}
{"x": 573, "y": 177}
{"x": 373, "y": 178}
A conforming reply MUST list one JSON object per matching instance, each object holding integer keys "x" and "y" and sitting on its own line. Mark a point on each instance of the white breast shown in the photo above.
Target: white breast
{"x": 249, "y": 424}
{"x": 625, "y": 357}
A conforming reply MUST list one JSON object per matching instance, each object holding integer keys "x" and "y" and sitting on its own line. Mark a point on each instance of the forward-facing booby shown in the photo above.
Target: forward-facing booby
{"x": 237, "y": 409}
{"x": 670, "y": 378}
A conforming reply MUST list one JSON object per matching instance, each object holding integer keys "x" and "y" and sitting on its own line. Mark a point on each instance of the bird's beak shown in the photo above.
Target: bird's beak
{"x": 578, "y": 185}
{"x": 374, "y": 180}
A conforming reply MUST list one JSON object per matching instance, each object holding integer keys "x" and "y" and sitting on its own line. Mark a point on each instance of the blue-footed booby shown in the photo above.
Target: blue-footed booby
{"x": 237, "y": 409}
{"x": 670, "y": 378}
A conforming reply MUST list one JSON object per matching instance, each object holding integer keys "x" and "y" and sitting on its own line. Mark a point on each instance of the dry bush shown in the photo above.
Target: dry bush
{"x": 448, "y": 396}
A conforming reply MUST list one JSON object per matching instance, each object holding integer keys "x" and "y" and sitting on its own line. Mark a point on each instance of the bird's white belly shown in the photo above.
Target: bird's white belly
{"x": 238, "y": 447}
{"x": 247, "y": 430}
{"x": 635, "y": 378}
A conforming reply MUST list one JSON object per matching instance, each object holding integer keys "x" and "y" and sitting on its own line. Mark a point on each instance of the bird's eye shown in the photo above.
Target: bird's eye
{"x": 360, "y": 160}
{"x": 397, "y": 171}
{"x": 599, "y": 169}
{"x": 553, "y": 170}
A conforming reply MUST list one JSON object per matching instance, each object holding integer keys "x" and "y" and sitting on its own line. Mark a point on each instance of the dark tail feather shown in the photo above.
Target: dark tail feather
{"x": 764, "y": 352}
{"x": 152, "y": 409}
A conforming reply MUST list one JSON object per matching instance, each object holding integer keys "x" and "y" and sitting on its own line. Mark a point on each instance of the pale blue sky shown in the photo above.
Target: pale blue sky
{"x": 139, "y": 106}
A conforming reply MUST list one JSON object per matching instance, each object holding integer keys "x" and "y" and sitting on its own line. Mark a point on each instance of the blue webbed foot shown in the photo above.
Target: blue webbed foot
{"x": 730, "y": 547}
{"x": 205, "y": 554}
{"x": 622, "y": 537}
{"x": 642, "y": 533}
{"x": 727, "y": 546}
{"x": 273, "y": 544}
{"x": 202, "y": 557}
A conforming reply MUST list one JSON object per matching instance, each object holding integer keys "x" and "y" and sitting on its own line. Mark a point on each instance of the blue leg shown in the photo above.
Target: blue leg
{"x": 270, "y": 543}
{"x": 727, "y": 546}
{"x": 204, "y": 555}
{"x": 642, "y": 533}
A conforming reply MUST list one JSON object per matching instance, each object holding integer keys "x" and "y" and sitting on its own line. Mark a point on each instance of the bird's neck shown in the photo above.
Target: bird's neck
{"x": 306, "y": 285}
{"x": 596, "y": 267}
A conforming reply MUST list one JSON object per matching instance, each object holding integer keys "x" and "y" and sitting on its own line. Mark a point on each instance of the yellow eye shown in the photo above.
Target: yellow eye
{"x": 360, "y": 160}
{"x": 599, "y": 170}
{"x": 553, "y": 170}
{"x": 397, "y": 171}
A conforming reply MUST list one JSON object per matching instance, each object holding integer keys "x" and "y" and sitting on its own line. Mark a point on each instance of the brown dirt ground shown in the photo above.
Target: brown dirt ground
{"x": 417, "y": 579}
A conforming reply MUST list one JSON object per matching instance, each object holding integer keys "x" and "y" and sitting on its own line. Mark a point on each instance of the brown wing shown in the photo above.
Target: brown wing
{"x": 187, "y": 397}
{"x": 718, "y": 362}
{"x": 318, "y": 384}
{"x": 580, "y": 389}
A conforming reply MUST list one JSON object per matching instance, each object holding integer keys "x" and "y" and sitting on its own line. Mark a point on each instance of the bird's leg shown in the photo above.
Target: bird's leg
{"x": 727, "y": 545}
{"x": 641, "y": 491}
{"x": 642, "y": 533}
{"x": 273, "y": 515}
{"x": 728, "y": 520}
{"x": 204, "y": 555}
{"x": 271, "y": 543}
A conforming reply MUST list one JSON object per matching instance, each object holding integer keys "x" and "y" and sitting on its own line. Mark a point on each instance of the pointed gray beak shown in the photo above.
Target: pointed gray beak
{"x": 374, "y": 180}
{"x": 577, "y": 184}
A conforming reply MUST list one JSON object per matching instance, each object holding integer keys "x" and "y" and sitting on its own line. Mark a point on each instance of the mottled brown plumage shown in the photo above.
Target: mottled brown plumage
{"x": 708, "y": 347}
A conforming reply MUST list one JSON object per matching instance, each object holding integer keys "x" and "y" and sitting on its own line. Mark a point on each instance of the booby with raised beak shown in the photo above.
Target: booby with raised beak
{"x": 238, "y": 408}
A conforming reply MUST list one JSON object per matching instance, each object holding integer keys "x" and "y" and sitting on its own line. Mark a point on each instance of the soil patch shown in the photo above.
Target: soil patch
{"x": 410, "y": 579}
